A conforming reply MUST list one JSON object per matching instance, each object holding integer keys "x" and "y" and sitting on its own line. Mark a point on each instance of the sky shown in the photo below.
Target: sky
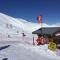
{"x": 30, "y": 9}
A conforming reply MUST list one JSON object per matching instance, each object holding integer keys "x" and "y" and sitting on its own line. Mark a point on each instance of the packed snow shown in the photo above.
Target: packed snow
{"x": 21, "y": 48}
{"x": 23, "y": 51}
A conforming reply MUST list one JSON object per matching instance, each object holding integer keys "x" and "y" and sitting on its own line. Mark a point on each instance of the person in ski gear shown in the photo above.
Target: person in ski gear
{"x": 40, "y": 40}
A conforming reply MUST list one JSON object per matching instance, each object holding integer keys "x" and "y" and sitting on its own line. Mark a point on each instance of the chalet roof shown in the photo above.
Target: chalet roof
{"x": 46, "y": 30}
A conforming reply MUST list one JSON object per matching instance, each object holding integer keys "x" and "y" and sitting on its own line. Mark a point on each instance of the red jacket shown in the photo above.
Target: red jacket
{"x": 41, "y": 40}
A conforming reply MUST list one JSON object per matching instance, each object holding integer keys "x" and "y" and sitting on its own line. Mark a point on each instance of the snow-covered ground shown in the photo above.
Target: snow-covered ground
{"x": 24, "y": 51}
{"x": 22, "y": 48}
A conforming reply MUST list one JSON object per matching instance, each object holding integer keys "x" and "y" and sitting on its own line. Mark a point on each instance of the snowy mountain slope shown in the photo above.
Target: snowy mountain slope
{"x": 16, "y": 26}
{"x": 4, "y": 19}
{"x": 20, "y": 24}
{"x": 13, "y": 26}
{"x": 8, "y": 20}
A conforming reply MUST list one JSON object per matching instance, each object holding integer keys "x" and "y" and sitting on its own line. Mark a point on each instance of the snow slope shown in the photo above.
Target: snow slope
{"x": 22, "y": 48}
{"x": 18, "y": 27}
{"x": 23, "y": 51}
{"x": 19, "y": 24}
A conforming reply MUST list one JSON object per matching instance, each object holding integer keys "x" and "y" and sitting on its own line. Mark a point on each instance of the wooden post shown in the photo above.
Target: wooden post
{"x": 33, "y": 41}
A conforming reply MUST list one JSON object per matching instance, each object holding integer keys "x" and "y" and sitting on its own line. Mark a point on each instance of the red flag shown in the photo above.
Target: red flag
{"x": 39, "y": 18}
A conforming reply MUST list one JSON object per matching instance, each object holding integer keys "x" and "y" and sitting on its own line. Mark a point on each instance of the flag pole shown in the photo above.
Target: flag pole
{"x": 39, "y": 18}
